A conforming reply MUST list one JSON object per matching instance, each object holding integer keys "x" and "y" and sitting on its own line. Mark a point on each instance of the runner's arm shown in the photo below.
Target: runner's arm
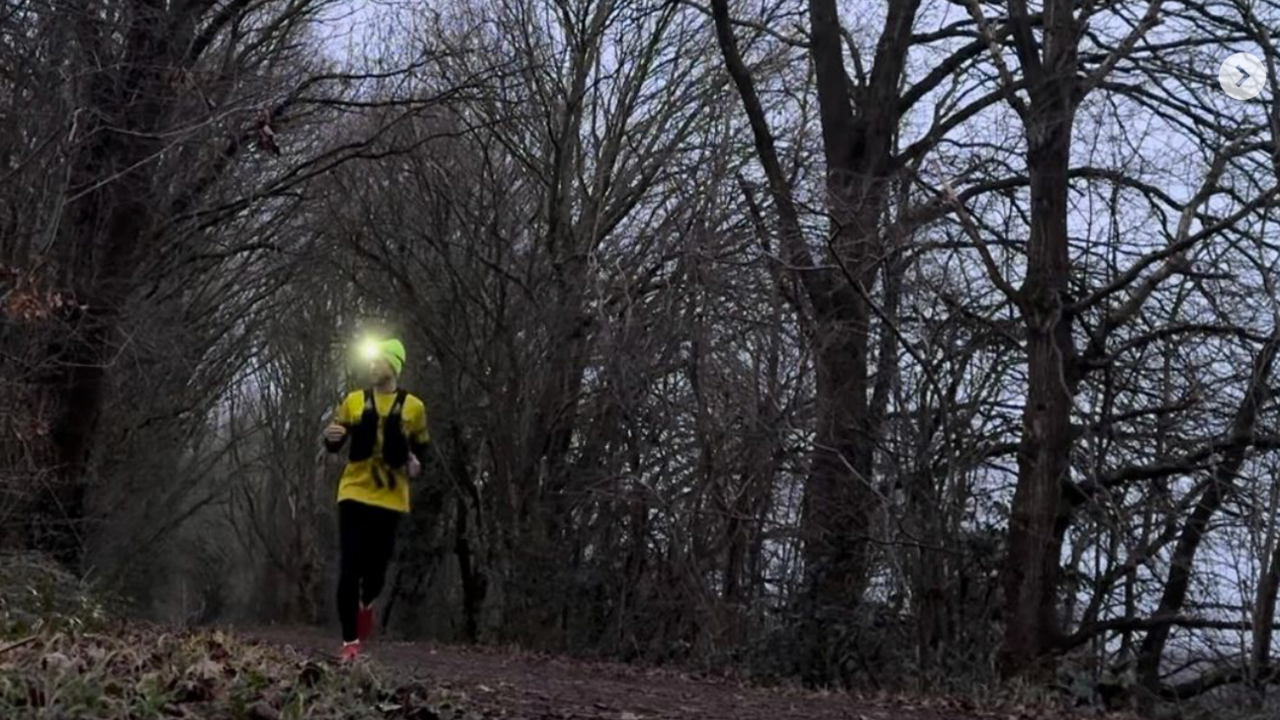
{"x": 341, "y": 417}
{"x": 419, "y": 451}
{"x": 420, "y": 438}
{"x": 335, "y": 447}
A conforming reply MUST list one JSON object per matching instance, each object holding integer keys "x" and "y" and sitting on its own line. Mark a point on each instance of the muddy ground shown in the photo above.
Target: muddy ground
{"x": 528, "y": 686}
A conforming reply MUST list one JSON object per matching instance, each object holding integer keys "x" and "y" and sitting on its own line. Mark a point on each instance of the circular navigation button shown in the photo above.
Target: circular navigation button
{"x": 1242, "y": 76}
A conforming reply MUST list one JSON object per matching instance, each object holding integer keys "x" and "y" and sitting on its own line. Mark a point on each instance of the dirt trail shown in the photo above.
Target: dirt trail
{"x": 535, "y": 687}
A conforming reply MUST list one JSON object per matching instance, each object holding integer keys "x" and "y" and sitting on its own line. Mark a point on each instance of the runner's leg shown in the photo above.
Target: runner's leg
{"x": 351, "y": 528}
{"x": 381, "y": 545}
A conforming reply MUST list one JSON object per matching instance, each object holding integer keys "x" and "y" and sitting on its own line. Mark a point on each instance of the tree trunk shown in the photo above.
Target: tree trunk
{"x": 1264, "y": 619}
{"x": 107, "y": 228}
{"x": 1040, "y": 513}
{"x": 857, "y": 133}
{"x": 837, "y": 498}
{"x": 474, "y": 580}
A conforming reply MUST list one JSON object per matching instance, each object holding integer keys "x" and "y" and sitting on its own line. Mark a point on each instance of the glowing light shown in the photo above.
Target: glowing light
{"x": 370, "y": 350}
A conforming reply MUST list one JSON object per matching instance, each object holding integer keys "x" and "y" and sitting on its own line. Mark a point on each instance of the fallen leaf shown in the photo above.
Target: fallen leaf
{"x": 56, "y": 661}
{"x": 206, "y": 670}
{"x": 311, "y": 674}
{"x": 263, "y": 711}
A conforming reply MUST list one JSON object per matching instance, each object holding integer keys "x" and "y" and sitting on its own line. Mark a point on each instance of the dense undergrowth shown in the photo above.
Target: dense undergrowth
{"x": 37, "y": 596}
{"x": 63, "y": 656}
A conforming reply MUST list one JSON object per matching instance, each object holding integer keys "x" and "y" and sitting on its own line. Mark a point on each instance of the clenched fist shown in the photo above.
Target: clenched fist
{"x": 334, "y": 433}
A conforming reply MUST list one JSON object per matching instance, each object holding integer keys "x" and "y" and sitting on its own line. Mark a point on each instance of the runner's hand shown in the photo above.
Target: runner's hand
{"x": 415, "y": 467}
{"x": 335, "y": 433}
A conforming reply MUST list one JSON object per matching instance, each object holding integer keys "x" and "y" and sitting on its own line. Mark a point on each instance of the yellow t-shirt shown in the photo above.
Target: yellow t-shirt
{"x": 358, "y": 481}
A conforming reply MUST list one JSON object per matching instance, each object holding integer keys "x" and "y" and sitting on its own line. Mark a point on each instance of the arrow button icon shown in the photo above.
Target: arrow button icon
{"x": 1242, "y": 76}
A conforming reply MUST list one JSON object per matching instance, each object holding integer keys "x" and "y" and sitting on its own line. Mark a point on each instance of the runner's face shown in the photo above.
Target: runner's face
{"x": 380, "y": 371}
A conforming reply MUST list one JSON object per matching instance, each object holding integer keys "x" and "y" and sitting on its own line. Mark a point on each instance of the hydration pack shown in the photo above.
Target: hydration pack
{"x": 364, "y": 437}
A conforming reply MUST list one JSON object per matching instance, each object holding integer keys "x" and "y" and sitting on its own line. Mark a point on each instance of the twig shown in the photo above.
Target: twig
{"x": 18, "y": 644}
{"x": 951, "y": 198}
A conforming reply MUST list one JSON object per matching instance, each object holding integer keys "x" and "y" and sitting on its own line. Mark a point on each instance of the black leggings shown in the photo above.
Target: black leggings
{"x": 367, "y": 537}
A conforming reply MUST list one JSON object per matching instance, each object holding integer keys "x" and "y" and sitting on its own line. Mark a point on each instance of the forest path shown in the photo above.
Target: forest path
{"x": 527, "y": 686}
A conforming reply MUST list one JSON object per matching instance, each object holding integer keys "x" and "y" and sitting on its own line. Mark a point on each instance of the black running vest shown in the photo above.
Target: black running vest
{"x": 364, "y": 437}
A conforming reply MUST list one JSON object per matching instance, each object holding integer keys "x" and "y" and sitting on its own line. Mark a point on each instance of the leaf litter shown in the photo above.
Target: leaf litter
{"x": 147, "y": 673}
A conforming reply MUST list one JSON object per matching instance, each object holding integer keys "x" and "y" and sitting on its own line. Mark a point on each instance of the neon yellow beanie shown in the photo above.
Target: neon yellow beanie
{"x": 393, "y": 352}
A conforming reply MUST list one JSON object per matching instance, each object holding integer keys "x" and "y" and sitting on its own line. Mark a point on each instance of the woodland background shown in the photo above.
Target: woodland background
{"x": 904, "y": 344}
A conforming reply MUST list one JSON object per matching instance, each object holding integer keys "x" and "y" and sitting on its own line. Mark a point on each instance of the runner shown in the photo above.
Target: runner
{"x": 387, "y": 428}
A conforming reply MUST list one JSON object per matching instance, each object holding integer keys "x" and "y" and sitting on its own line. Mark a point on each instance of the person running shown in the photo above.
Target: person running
{"x": 387, "y": 429}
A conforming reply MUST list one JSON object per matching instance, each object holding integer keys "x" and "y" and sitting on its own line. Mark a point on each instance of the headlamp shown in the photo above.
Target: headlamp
{"x": 370, "y": 349}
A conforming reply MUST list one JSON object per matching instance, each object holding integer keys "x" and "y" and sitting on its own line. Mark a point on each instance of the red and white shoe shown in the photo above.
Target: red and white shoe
{"x": 365, "y": 622}
{"x": 350, "y": 652}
